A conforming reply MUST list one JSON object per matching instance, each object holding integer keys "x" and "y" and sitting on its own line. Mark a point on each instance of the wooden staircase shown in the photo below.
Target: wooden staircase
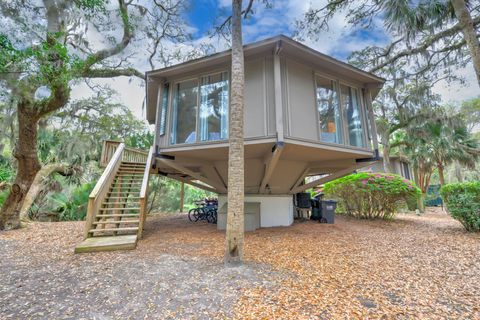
{"x": 117, "y": 205}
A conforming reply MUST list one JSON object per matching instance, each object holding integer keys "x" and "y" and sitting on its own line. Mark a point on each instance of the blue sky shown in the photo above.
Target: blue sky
{"x": 279, "y": 19}
{"x": 339, "y": 41}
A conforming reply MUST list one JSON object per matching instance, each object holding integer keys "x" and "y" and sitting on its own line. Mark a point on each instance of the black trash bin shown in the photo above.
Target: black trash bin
{"x": 328, "y": 208}
{"x": 316, "y": 214}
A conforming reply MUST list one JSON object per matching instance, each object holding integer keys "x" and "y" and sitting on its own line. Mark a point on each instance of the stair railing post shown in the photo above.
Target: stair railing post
{"x": 144, "y": 192}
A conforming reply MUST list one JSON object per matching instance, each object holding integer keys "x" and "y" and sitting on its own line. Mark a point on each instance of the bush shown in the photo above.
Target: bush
{"x": 371, "y": 195}
{"x": 463, "y": 203}
{"x": 73, "y": 206}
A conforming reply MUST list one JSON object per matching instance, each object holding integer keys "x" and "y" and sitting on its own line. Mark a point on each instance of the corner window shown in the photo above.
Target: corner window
{"x": 184, "y": 112}
{"x": 328, "y": 110}
{"x": 163, "y": 110}
{"x": 200, "y": 109}
{"x": 351, "y": 105}
{"x": 213, "y": 116}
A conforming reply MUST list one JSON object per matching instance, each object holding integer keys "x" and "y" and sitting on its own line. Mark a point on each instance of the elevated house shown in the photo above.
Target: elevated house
{"x": 306, "y": 114}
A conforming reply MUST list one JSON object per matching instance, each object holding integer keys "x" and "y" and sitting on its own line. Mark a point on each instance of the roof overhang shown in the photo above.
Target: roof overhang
{"x": 287, "y": 46}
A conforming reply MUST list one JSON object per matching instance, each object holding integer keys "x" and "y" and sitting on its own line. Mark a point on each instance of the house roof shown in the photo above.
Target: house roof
{"x": 288, "y": 47}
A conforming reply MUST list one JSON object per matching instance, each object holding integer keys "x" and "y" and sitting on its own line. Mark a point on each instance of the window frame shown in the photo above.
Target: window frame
{"x": 197, "y": 78}
{"x": 344, "y": 114}
{"x": 319, "y": 120}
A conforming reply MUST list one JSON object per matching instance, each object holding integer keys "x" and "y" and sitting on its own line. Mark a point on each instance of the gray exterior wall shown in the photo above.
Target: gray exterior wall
{"x": 397, "y": 166}
{"x": 259, "y": 99}
{"x": 300, "y": 116}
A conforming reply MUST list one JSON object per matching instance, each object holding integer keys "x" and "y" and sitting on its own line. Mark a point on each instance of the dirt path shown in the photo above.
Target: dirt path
{"x": 414, "y": 267}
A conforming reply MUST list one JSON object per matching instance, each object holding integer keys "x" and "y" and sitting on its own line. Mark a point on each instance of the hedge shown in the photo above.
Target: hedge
{"x": 463, "y": 203}
{"x": 371, "y": 195}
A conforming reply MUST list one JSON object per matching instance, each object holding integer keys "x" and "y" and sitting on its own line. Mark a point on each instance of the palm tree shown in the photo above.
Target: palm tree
{"x": 235, "y": 211}
{"x": 450, "y": 141}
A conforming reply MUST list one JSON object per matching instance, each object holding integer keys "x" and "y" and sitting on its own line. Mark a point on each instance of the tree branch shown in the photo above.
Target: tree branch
{"x": 423, "y": 46}
{"x": 119, "y": 47}
{"x": 109, "y": 73}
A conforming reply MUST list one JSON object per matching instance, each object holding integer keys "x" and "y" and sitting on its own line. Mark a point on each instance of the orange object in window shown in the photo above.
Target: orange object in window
{"x": 331, "y": 127}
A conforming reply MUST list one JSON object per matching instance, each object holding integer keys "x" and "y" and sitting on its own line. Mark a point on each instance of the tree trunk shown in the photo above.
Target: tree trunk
{"x": 27, "y": 166}
{"x": 235, "y": 211}
{"x": 37, "y": 184}
{"x": 182, "y": 196}
{"x": 458, "y": 172}
{"x": 469, "y": 33}
{"x": 441, "y": 174}
{"x": 387, "y": 166}
{"x": 421, "y": 202}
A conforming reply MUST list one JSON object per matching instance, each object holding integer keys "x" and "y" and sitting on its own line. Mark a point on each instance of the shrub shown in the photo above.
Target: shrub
{"x": 371, "y": 195}
{"x": 463, "y": 203}
{"x": 73, "y": 206}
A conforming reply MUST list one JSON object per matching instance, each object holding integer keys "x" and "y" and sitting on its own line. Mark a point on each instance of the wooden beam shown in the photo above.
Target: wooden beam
{"x": 192, "y": 183}
{"x": 182, "y": 196}
{"x": 184, "y": 170}
{"x": 301, "y": 178}
{"x": 326, "y": 179}
{"x": 271, "y": 163}
{"x": 144, "y": 192}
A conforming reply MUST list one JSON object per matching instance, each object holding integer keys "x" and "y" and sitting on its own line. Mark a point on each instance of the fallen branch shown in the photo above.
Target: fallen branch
{"x": 38, "y": 183}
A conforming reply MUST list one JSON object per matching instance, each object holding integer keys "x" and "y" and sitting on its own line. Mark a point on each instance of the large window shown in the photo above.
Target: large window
{"x": 214, "y": 107}
{"x": 352, "y": 107}
{"x": 200, "y": 109}
{"x": 329, "y": 111}
{"x": 184, "y": 112}
{"x": 163, "y": 110}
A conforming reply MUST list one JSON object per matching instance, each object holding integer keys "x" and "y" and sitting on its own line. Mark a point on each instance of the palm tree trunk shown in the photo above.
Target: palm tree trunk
{"x": 469, "y": 33}
{"x": 235, "y": 211}
{"x": 387, "y": 166}
{"x": 441, "y": 174}
{"x": 458, "y": 172}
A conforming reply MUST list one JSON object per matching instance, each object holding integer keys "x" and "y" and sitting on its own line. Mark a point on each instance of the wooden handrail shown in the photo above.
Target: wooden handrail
{"x": 98, "y": 193}
{"x": 144, "y": 192}
{"x": 129, "y": 154}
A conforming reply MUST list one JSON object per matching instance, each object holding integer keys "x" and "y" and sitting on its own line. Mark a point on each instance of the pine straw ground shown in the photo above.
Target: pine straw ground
{"x": 412, "y": 268}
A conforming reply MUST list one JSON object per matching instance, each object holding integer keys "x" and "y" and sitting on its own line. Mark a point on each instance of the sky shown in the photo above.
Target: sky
{"x": 339, "y": 41}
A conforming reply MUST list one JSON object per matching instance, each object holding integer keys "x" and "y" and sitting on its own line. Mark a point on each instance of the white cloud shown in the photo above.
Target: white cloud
{"x": 456, "y": 92}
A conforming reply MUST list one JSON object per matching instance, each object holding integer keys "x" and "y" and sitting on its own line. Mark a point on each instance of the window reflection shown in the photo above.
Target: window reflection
{"x": 329, "y": 111}
{"x": 184, "y": 112}
{"x": 214, "y": 107}
{"x": 351, "y": 105}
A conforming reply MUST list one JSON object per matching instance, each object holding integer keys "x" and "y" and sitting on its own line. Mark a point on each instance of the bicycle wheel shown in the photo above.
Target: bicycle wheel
{"x": 193, "y": 215}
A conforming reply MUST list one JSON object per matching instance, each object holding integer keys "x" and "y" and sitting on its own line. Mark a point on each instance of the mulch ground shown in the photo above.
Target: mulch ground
{"x": 412, "y": 268}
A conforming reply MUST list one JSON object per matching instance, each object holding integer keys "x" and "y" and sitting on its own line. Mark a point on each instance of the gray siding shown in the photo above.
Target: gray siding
{"x": 270, "y": 87}
{"x": 300, "y": 110}
{"x": 255, "y": 99}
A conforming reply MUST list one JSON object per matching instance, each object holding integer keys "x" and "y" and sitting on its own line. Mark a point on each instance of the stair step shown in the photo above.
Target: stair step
{"x": 116, "y": 222}
{"x": 127, "y": 183}
{"x": 117, "y": 215}
{"x": 107, "y": 243}
{"x": 129, "y": 192}
{"x": 118, "y": 209}
{"x": 108, "y": 198}
{"x": 121, "y": 202}
{"x": 137, "y": 163}
{"x": 114, "y": 229}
